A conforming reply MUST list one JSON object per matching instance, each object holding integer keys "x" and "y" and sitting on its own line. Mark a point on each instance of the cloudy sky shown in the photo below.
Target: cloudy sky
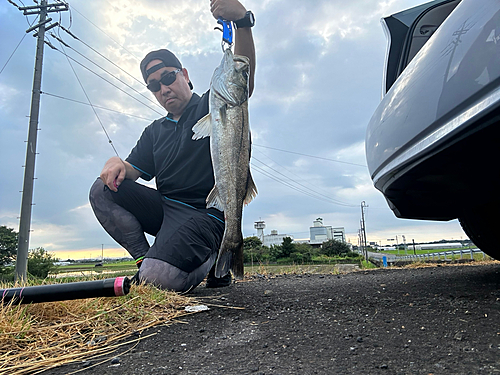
{"x": 317, "y": 83}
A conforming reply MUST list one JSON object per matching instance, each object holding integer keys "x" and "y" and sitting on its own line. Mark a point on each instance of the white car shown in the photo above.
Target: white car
{"x": 432, "y": 143}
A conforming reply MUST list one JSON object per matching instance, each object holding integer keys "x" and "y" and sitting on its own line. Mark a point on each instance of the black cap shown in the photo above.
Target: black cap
{"x": 164, "y": 55}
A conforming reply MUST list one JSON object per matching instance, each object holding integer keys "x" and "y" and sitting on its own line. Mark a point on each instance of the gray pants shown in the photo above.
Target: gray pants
{"x": 187, "y": 239}
{"x": 166, "y": 276}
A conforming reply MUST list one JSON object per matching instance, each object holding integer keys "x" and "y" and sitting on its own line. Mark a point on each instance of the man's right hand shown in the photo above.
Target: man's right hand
{"x": 113, "y": 173}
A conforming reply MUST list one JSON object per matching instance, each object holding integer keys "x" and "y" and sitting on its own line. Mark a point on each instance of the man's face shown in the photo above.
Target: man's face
{"x": 174, "y": 97}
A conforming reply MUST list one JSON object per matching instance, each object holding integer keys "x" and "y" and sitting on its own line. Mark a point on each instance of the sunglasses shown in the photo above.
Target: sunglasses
{"x": 166, "y": 80}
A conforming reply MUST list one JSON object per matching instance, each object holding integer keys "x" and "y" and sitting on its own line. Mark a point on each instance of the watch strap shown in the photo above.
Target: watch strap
{"x": 247, "y": 21}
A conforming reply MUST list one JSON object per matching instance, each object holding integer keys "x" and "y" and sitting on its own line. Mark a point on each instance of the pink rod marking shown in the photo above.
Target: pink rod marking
{"x": 118, "y": 286}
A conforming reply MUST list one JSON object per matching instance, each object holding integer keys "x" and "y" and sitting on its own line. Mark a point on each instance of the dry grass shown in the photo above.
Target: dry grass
{"x": 422, "y": 264}
{"x": 35, "y": 338}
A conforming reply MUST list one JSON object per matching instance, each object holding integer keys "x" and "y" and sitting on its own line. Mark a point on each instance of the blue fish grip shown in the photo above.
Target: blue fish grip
{"x": 227, "y": 31}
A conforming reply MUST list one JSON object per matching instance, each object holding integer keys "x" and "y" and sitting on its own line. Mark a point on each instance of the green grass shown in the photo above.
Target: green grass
{"x": 75, "y": 272}
{"x": 276, "y": 269}
{"x": 466, "y": 255}
{"x": 368, "y": 265}
{"x": 127, "y": 268}
{"x": 419, "y": 252}
{"x": 91, "y": 266}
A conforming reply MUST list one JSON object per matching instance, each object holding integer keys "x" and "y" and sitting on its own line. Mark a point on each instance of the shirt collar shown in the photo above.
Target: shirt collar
{"x": 195, "y": 98}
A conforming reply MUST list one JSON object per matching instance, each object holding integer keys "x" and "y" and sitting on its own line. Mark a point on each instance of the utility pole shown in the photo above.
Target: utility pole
{"x": 360, "y": 246}
{"x": 363, "y": 228}
{"x": 29, "y": 166}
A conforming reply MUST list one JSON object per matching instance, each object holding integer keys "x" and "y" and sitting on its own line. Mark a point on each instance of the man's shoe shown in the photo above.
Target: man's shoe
{"x": 135, "y": 279}
{"x": 214, "y": 282}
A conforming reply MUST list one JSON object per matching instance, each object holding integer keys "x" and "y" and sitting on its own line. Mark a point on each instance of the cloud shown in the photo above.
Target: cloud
{"x": 8, "y": 95}
{"x": 318, "y": 79}
{"x": 159, "y": 24}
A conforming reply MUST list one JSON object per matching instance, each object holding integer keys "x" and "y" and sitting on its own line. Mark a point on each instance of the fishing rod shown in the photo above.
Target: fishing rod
{"x": 115, "y": 287}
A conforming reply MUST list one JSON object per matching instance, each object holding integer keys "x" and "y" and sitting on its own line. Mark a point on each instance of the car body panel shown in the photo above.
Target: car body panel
{"x": 438, "y": 100}
{"x": 407, "y": 32}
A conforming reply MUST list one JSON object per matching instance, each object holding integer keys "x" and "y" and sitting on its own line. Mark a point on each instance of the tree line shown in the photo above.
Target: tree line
{"x": 40, "y": 261}
{"x": 289, "y": 252}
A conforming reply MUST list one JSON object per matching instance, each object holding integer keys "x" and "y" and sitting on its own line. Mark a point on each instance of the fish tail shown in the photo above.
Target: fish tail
{"x": 230, "y": 257}
{"x": 224, "y": 262}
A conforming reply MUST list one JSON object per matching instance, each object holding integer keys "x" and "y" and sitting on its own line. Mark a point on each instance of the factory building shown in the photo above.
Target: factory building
{"x": 269, "y": 239}
{"x": 320, "y": 233}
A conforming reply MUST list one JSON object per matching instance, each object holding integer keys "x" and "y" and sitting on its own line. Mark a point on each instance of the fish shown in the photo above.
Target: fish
{"x": 227, "y": 125}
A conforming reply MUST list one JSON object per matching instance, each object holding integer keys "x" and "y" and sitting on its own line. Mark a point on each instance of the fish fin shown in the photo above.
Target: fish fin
{"x": 224, "y": 263}
{"x": 213, "y": 199}
{"x": 251, "y": 189}
{"x": 203, "y": 128}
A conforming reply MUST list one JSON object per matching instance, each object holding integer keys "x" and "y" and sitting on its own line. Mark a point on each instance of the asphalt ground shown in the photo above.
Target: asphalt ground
{"x": 432, "y": 320}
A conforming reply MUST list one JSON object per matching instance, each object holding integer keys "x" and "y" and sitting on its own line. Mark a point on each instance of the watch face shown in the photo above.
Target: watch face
{"x": 247, "y": 21}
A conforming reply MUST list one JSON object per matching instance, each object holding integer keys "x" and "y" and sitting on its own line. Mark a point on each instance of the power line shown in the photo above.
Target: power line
{"x": 307, "y": 191}
{"x": 112, "y": 84}
{"x": 100, "y": 54}
{"x": 100, "y": 67}
{"x": 12, "y": 54}
{"x": 19, "y": 8}
{"x": 96, "y": 106}
{"x": 310, "y": 156}
{"x": 95, "y": 112}
{"x": 102, "y": 31}
{"x": 267, "y": 174}
{"x": 284, "y": 168}
{"x": 18, "y": 44}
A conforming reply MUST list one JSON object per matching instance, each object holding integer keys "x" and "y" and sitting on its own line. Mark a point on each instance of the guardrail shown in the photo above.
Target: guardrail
{"x": 445, "y": 254}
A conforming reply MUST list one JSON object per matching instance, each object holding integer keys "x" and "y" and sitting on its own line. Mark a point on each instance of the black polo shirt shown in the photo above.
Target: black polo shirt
{"x": 182, "y": 166}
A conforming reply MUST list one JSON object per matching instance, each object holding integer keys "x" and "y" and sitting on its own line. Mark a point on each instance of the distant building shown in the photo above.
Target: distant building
{"x": 274, "y": 238}
{"x": 320, "y": 233}
{"x": 260, "y": 225}
{"x": 269, "y": 239}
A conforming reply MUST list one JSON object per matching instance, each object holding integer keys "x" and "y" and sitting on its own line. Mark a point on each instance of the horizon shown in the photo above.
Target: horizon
{"x": 317, "y": 84}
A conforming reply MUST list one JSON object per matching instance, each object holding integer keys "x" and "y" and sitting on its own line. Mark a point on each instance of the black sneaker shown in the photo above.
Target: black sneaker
{"x": 214, "y": 282}
{"x": 135, "y": 279}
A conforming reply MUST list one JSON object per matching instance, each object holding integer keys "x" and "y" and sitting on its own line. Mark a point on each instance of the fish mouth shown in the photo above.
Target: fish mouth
{"x": 234, "y": 92}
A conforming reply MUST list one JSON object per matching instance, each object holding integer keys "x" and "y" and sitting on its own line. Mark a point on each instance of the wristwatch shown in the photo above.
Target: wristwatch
{"x": 247, "y": 21}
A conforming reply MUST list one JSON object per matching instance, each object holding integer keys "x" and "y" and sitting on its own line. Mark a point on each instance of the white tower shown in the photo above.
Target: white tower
{"x": 260, "y": 225}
